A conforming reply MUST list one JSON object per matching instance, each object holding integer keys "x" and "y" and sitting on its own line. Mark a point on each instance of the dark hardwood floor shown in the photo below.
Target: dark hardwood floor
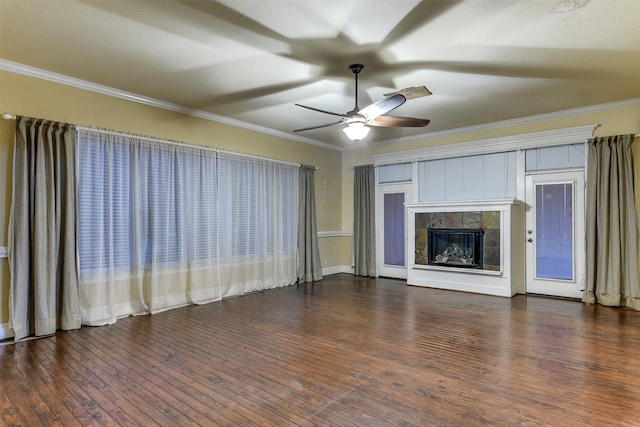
{"x": 341, "y": 352}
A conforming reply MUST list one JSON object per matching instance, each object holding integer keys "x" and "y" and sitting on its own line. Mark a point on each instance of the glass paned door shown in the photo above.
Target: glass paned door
{"x": 394, "y": 229}
{"x": 554, "y": 231}
{"x": 391, "y": 225}
{"x": 555, "y": 234}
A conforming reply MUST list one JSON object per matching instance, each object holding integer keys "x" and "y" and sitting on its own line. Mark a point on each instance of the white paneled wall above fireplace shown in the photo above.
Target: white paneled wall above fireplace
{"x": 479, "y": 177}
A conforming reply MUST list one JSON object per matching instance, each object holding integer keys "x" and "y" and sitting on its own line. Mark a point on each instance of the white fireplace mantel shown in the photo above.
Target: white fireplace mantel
{"x": 507, "y": 281}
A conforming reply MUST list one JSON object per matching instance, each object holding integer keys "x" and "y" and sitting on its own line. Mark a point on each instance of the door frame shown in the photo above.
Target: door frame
{"x": 550, "y": 286}
{"x": 399, "y": 272}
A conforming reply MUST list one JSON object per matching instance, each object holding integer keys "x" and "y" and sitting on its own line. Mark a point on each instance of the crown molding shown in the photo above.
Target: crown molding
{"x": 38, "y": 73}
{"x": 547, "y": 138}
{"x": 29, "y": 71}
{"x": 520, "y": 121}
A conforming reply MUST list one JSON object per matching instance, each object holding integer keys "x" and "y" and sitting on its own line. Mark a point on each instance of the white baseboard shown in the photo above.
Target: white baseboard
{"x": 6, "y": 331}
{"x": 337, "y": 269}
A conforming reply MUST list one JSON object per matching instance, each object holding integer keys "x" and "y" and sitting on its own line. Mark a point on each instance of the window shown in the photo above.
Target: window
{"x": 555, "y": 158}
{"x": 144, "y": 204}
{"x": 400, "y": 172}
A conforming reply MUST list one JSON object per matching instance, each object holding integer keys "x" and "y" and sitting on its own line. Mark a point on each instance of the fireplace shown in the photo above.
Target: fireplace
{"x": 494, "y": 264}
{"x": 455, "y": 247}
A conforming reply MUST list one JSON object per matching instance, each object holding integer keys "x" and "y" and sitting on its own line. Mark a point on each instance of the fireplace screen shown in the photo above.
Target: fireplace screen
{"x": 455, "y": 247}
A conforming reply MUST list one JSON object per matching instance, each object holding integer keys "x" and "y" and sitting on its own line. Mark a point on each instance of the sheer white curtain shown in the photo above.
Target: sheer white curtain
{"x": 162, "y": 225}
{"x": 257, "y": 204}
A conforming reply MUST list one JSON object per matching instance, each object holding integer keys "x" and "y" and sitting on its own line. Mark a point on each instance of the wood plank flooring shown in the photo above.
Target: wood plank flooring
{"x": 345, "y": 351}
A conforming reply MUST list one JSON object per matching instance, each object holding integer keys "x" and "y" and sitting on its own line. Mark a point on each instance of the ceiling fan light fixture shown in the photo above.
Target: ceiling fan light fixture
{"x": 356, "y": 131}
{"x": 374, "y": 114}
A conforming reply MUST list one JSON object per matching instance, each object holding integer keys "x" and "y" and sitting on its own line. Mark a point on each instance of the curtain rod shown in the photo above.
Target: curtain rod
{"x": 252, "y": 156}
{"x": 8, "y": 116}
{"x": 143, "y": 137}
{"x": 353, "y": 167}
{"x": 184, "y": 144}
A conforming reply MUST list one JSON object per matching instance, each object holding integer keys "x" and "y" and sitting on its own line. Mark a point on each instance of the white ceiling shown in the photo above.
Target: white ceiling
{"x": 485, "y": 61}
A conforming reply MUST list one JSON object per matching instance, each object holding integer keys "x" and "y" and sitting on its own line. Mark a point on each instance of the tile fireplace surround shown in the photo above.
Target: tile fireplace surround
{"x": 502, "y": 272}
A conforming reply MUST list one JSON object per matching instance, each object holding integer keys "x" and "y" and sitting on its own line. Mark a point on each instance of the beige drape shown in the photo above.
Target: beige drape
{"x": 364, "y": 226}
{"x": 611, "y": 224}
{"x": 42, "y": 227}
{"x": 309, "y": 264}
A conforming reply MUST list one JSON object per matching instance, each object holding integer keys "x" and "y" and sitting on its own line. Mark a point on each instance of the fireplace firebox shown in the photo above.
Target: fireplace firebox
{"x": 455, "y": 247}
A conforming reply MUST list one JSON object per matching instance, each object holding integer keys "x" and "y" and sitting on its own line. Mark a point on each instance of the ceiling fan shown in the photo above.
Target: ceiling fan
{"x": 358, "y": 120}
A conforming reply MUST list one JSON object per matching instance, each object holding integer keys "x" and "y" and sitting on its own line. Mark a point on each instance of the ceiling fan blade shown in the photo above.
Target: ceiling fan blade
{"x": 399, "y": 122}
{"x": 321, "y": 111}
{"x": 320, "y": 126}
{"x": 412, "y": 92}
{"x": 383, "y": 106}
